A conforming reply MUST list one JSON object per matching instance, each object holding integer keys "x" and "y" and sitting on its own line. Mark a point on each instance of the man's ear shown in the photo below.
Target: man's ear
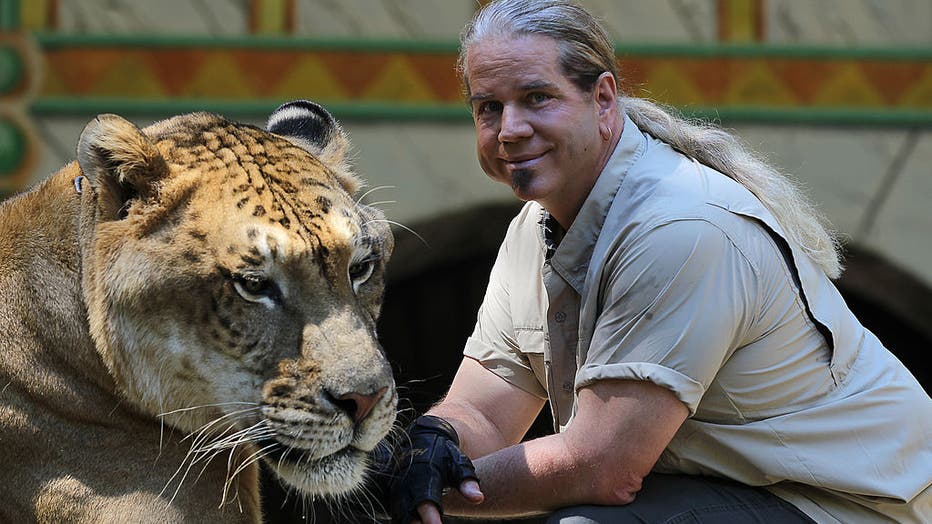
{"x": 311, "y": 127}
{"x": 606, "y": 93}
{"x": 120, "y": 162}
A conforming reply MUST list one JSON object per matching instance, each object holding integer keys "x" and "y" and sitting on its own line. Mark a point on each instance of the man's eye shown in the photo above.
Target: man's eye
{"x": 489, "y": 107}
{"x": 538, "y": 98}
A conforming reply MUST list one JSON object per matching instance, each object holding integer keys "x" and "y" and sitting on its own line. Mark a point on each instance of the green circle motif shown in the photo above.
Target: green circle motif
{"x": 11, "y": 69}
{"x": 12, "y": 147}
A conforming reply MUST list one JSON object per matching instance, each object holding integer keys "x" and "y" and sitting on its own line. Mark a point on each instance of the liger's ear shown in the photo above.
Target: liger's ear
{"x": 311, "y": 127}
{"x": 120, "y": 162}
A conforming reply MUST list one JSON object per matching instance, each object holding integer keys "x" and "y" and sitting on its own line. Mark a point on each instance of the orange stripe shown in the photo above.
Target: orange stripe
{"x": 723, "y": 19}
{"x": 53, "y": 14}
{"x": 759, "y": 27}
{"x": 291, "y": 16}
{"x": 254, "y": 10}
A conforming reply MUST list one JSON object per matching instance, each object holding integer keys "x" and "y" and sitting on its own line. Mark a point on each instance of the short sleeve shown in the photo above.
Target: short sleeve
{"x": 493, "y": 342}
{"x": 674, "y": 305}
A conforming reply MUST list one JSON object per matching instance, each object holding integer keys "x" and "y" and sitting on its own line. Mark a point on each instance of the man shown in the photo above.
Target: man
{"x": 680, "y": 321}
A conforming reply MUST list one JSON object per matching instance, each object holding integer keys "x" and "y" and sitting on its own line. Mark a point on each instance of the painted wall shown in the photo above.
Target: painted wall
{"x": 837, "y": 92}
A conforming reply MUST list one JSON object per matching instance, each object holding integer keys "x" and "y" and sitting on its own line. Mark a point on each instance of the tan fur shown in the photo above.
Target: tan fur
{"x": 132, "y": 318}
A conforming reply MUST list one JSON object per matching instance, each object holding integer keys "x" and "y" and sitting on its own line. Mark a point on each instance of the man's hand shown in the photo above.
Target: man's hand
{"x": 427, "y": 465}
{"x": 430, "y": 514}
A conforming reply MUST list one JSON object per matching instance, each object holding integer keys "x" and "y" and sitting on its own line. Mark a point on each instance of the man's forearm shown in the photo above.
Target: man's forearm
{"x": 530, "y": 478}
{"x": 620, "y": 429}
{"x": 487, "y": 412}
{"x": 478, "y": 436}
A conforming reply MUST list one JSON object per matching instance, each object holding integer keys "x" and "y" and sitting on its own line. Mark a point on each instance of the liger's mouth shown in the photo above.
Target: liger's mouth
{"x": 340, "y": 472}
{"x": 275, "y": 452}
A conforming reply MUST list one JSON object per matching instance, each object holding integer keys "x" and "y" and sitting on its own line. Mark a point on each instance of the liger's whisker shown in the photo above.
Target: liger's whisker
{"x": 240, "y": 437}
{"x": 220, "y": 437}
{"x": 217, "y": 405}
{"x": 226, "y": 485}
{"x": 402, "y": 226}
{"x": 381, "y": 202}
{"x": 373, "y": 190}
{"x": 255, "y": 457}
{"x": 252, "y": 434}
{"x": 250, "y": 460}
{"x": 199, "y": 437}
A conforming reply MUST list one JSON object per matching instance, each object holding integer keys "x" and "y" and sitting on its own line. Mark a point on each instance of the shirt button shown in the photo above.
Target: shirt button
{"x": 568, "y": 387}
{"x": 559, "y": 316}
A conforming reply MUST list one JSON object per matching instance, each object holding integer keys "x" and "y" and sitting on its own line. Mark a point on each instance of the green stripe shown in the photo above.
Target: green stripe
{"x": 11, "y": 69}
{"x": 775, "y": 51}
{"x": 12, "y": 147}
{"x": 9, "y": 15}
{"x": 369, "y": 111}
{"x": 843, "y": 117}
{"x": 53, "y": 40}
{"x": 254, "y": 108}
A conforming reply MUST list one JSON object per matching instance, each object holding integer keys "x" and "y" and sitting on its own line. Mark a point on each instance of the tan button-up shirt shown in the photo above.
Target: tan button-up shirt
{"x": 675, "y": 274}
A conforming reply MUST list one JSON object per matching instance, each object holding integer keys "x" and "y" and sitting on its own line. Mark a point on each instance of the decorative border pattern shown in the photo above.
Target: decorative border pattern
{"x": 417, "y": 79}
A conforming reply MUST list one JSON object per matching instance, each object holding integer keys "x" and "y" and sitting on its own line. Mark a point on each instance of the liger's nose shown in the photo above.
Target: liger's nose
{"x": 359, "y": 405}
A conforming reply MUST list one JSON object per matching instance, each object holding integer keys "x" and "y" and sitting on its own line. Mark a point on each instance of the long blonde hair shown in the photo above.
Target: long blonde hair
{"x": 802, "y": 223}
{"x": 586, "y": 52}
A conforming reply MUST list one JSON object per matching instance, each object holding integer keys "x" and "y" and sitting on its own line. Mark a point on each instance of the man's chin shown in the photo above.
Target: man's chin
{"x": 521, "y": 181}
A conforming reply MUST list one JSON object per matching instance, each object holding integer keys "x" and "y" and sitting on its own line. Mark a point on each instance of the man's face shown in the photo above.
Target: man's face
{"x": 536, "y": 131}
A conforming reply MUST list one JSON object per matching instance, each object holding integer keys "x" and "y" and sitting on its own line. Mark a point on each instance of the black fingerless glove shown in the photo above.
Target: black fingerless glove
{"x": 429, "y": 463}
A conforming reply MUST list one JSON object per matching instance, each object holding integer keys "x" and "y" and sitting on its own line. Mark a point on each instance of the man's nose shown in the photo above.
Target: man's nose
{"x": 514, "y": 125}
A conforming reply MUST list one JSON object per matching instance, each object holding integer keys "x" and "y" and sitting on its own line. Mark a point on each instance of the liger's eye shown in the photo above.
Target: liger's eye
{"x": 360, "y": 271}
{"x": 256, "y": 287}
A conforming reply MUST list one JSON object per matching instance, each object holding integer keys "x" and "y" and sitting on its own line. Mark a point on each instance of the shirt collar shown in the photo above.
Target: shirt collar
{"x": 571, "y": 257}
